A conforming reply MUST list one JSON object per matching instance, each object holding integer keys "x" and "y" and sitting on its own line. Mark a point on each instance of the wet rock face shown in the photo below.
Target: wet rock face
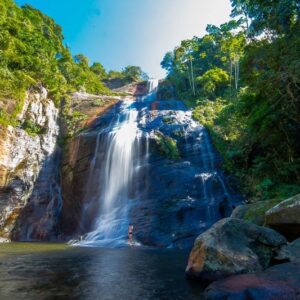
{"x": 277, "y": 283}
{"x": 182, "y": 190}
{"x": 75, "y": 176}
{"x": 24, "y": 156}
{"x": 284, "y": 218}
{"x": 232, "y": 246}
{"x": 80, "y": 187}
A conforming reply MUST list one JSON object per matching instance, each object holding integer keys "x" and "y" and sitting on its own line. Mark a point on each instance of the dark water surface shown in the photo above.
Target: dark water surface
{"x": 40, "y": 271}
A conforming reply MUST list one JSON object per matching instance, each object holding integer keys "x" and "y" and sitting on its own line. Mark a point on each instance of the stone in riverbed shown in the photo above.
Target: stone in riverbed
{"x": 232, "y": 246}
{"x": 4, "y": 240}
{"x": 285, "y": 218}
{"x": 281, "y": 282}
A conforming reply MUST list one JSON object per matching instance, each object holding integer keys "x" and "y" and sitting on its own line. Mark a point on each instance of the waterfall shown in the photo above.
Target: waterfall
{"x": 121, "y": 146}
{"x": 153, "y": 85}
{"x": 152, "y": 89}
{"x": 169, "y": 201}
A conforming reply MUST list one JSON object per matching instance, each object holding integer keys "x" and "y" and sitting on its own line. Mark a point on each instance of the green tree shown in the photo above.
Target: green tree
{"x": 213, "y": 81}
{"x": 132, "y": 73}
{"x": 99, "y": 70}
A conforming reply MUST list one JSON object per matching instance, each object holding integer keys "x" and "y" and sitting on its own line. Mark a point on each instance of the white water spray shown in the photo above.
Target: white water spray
{"x": 119, "y": 167}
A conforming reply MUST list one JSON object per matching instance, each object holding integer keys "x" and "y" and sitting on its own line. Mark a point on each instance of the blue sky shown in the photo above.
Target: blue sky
{"x": 131, "y": 32}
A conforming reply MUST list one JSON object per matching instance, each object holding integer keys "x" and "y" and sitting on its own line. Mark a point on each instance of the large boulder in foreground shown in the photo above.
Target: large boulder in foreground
{"x": 232, "y": 246}
{"x": 285, "y": 218}
{"x": 277, "y": 283}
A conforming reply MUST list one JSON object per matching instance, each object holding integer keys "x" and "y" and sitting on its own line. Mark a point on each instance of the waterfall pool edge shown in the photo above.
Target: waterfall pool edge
{"x": 31, "y": 247}
{"x": 54, "y": 271}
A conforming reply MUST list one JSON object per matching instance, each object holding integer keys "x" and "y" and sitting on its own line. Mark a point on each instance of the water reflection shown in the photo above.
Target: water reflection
{"x": 96, "y": 274}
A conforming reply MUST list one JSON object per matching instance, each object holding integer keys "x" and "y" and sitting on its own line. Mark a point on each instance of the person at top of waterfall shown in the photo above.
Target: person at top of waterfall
{"x": 130, "y": 233}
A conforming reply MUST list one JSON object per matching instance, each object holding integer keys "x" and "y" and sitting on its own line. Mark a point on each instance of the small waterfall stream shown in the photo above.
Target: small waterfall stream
{"x": 131, "y": 182}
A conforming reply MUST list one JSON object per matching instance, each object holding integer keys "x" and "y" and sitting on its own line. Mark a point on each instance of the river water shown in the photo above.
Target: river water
{"x": 41, "y": 271}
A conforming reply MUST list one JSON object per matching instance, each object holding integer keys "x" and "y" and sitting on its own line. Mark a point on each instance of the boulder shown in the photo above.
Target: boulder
{"x": 240, "y": 211}
{"x": 277, "y": 283}
{"x": 232, "y": 246}
{"x": 254, "y": 212}
{"x": 285, "y": 218}
{"x": 4, "y": 240}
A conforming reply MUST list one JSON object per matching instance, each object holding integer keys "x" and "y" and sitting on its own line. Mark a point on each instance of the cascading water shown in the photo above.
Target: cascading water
{"x": 122, "y": 161}
{"x": 152, "y": 89}
{"x": 121, "y": 147}
{"x": 133, "y": 179}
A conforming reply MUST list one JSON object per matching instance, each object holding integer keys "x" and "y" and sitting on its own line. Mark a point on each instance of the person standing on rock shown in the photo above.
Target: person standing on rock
{"x": 130, "y": 234}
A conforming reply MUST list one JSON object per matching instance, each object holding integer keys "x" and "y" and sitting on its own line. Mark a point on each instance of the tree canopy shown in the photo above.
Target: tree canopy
{"x": 247, "y": 79}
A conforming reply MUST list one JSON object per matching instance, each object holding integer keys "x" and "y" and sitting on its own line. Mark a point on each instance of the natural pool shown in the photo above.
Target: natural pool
{"x": 57, "y": 271}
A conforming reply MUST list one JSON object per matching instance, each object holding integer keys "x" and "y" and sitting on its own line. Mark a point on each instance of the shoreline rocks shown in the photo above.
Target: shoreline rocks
{"x": 4, "y": 240}
{"x": 281, "y": 282}
{"x": 285, "y": 218}
{"x": 232, "y": 246}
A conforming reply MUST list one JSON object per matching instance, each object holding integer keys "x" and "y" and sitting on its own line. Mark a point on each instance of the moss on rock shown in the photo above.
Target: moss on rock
{"x": 167, "y": 146}
{"x": 255, "y": 212}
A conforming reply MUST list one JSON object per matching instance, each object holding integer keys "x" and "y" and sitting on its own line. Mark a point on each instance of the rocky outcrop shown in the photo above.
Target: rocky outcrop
{"x": 25, "y": 153}
{"x": 89, "y": 107}
{"x": 277, "y": 283}
{"x": 232, "y": 246}
{"x": 75, "y": 176}
{"x": 284, "y": 218}
{"x": 77, "y": 158}
{"x": 135, "y": 89}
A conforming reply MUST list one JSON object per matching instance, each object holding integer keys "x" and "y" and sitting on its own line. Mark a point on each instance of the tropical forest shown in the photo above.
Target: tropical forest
{"x": 150, "y": 149}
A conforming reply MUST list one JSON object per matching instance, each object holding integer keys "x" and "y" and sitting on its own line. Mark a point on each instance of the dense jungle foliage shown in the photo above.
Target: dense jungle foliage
{"x": 32, "y": 52}
{"x": 243, "y": 81}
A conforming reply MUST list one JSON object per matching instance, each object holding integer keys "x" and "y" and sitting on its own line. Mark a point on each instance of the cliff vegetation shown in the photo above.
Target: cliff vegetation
{"x": 32, "y": 52}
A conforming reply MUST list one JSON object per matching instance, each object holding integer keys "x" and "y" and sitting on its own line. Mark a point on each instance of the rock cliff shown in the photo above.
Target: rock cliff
{"x": 26, "y": 154}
